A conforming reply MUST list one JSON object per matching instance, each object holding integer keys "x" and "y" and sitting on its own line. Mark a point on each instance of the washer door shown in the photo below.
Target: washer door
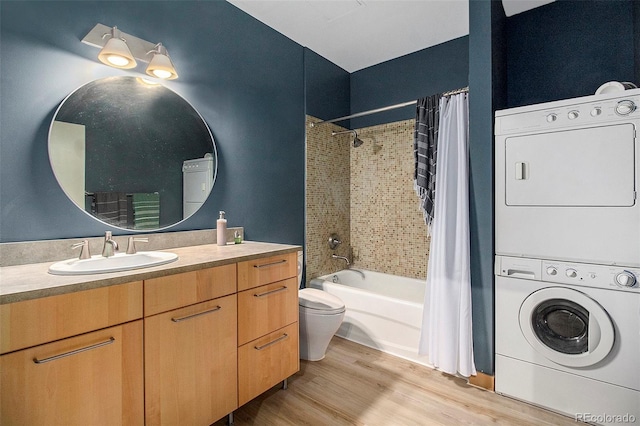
{"x": 567, "y": 327}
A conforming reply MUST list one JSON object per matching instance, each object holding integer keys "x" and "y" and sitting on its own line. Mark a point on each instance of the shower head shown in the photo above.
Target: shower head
{"x": 356, "y": 140}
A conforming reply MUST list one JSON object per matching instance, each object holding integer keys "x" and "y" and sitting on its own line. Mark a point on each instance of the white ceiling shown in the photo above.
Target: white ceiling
{"x": 355, "y": 34}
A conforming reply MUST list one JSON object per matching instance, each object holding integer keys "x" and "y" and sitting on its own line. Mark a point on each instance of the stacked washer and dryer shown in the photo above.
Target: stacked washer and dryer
{"x": 567, "y": 265}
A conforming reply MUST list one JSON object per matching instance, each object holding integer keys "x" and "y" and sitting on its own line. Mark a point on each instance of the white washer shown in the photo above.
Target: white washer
{"x": 573, "y": 348}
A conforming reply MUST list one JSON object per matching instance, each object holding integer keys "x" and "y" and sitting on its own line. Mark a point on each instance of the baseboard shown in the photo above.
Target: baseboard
{"x": 483, "y": 381}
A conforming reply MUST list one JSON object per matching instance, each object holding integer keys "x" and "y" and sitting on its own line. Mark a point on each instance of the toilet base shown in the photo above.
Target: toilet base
{"x": 316, "y": 332}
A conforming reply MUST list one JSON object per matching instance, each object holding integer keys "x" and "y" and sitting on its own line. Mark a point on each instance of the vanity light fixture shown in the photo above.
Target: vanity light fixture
{"x": 161, "y": 65}
{"x": 115, "y": 52}
{"x": 120, "y": 50}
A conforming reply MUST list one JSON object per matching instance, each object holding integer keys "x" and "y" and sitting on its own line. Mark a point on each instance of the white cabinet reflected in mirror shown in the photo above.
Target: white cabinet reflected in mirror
{"x": 132, "y": 154}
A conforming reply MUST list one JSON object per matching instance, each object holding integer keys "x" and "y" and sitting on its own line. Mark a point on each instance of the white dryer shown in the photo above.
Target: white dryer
{"x": 197, "y": 181}
{"x": 567, "y": 178}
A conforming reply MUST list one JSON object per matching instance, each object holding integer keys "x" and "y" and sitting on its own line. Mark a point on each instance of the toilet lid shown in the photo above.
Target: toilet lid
{"x": 312, "y": 298}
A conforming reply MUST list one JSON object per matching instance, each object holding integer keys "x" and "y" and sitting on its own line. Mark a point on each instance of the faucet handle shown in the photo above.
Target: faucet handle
{"x": 334, "y": 241}
{"x": 131, "y": 246}
{"x": 84, "y": 251}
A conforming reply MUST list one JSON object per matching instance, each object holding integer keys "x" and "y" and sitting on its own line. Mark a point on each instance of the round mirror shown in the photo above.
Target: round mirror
{"x": 132, "y": 154}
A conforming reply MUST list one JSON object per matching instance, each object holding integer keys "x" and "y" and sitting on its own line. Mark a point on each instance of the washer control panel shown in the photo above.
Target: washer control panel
{"x": 582, "y": 274}
{"x": 602, "y": 276}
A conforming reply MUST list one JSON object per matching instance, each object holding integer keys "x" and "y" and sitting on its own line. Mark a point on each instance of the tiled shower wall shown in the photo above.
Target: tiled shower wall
{"x": 366, "y": 195}
{"x": 327, "y": 198}
{"x": 388, "y": 233}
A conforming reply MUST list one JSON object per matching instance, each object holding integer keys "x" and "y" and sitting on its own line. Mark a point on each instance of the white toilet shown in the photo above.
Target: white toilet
{"x": 321, "y": 314}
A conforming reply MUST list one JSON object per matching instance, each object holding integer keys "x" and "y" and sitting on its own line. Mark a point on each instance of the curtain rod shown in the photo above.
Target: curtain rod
{"x": 387, "y": 108}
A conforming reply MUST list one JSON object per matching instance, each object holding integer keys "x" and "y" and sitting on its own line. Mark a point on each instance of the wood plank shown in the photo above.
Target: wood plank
{"x": 484, "y": 381}
{"x": 357, "y": 385}
{"x": 33, "y": 322}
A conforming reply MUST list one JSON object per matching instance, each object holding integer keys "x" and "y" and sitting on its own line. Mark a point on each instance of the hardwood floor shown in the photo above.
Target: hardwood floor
{"x": 356, "y": 385}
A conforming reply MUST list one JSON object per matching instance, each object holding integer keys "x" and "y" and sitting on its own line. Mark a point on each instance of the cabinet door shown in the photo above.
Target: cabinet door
{"x": 191, "y": 364}
{"x": 42, "y": 320}
{"x": 266, "y": 308}
{"x": 266, "y": 361}
{"x": 175, "y": 291}
{"x": 91, "y": 379}
{"x": 265, "y": 270}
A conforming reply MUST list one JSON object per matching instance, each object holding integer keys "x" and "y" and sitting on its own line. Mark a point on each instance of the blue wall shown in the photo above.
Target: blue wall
{"x": 243, "y": 77}
{"x": 426, "y": 72}
{"x": 486, "y": 94}
{"x": 568, "y": 49}
{"x": 327, "y": 87}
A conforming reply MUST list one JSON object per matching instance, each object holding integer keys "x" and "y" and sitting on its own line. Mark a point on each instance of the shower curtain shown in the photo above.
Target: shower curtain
{"x": 446, "y": 336}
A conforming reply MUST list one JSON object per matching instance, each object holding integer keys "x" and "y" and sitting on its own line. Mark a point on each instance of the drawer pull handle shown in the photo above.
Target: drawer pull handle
{"x": 265, "y": 265}
{"x": 75, "y": 351}
{"x": 208, "y": 311}
{"x": 266, "y": 293}
{"x": 273, "y": 342}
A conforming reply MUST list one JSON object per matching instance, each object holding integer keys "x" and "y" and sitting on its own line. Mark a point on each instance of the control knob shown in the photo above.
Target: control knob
{"x": 571, "y": 273}
{"x": 625, "y": 107}
{"x": 552, "y": 117}
{"x": 551, "y": 270}
{"x": 625, "y": 279}
{"x": 596, "y": 111}
{"x": 573, "y": 115}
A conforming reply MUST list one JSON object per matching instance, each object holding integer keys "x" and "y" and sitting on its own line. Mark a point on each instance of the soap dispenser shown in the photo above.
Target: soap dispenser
{"x": 221, "y": 230}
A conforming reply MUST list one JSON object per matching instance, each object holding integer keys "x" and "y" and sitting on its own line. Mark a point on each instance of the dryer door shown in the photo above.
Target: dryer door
{"x": 567, "y": 326}
{"x": 592, "y": 167}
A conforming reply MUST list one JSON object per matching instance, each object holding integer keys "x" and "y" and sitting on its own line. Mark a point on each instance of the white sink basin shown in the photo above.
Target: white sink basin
{"x": 120, "y": 262}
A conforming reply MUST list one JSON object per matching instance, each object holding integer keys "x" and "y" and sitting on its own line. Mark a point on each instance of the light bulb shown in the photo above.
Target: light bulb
{"x": 117, "y": 60}
{"x": 161, "y": 73}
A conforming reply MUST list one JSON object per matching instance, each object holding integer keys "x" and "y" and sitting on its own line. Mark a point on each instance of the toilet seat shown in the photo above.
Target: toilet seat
{"x": 320, "y": 302}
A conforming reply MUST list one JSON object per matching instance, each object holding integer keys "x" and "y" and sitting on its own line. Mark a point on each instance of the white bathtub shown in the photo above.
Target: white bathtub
{"x": 383, "y": 311}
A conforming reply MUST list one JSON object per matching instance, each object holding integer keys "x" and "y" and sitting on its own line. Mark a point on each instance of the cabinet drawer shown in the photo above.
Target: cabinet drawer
{"x": 257, "y": 272}
{"x": 266, "y": 308}
{"x": 175, "y": 291}
{"x": 37, "y": 321}
{"x": 191, "y": 363}
{"x": 91, "y": 379}
{"x": 266, "y": 361}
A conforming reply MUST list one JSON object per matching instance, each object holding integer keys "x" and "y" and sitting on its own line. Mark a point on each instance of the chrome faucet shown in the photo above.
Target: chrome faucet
{"x": 84, "y": 249}
{"x": 131, "y": 246}
{"x": 335, "y": 256}
{"x": 110, "y": 246}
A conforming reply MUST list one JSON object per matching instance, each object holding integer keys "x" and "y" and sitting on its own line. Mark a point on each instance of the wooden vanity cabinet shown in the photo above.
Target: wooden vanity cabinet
{"x": 94, "y": 377}
{"x": 185, "y": 349}
{"x": 191, "y": 352}
{"x": 267, "y": 324}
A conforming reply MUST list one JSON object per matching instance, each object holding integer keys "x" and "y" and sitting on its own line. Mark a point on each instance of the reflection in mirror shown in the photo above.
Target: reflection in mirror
{"x": 133, "y": 154}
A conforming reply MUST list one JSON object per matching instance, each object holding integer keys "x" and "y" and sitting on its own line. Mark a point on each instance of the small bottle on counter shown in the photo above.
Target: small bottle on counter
{"x": 237, "y": 238}
{"x": 221, "y": 230}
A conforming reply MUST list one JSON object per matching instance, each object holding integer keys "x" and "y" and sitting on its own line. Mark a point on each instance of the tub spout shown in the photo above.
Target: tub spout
{"x": 335, "y": 256}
